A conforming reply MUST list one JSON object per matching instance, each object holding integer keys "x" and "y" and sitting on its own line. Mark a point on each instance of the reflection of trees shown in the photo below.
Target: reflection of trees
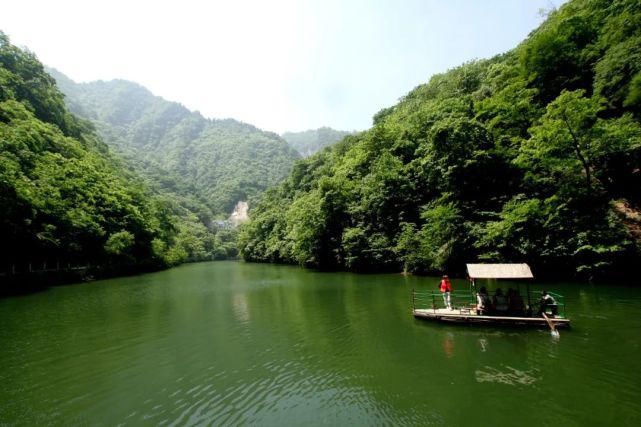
{"x": 233, "y": 342}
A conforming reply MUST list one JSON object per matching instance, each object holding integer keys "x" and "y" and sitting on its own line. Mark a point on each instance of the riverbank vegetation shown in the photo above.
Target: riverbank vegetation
{"x": 533, "y": 155}
{"x": 199, "y": 168}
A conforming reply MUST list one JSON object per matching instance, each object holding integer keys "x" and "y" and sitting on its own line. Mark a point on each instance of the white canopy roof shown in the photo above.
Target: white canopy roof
{"x": 499, "y": 271}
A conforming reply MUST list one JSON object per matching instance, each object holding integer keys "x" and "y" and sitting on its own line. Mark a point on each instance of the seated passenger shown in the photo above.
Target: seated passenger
{"x": 515, "y": 303}
{"x": 547, "y": 301}
{"x": 508, "y": 295}
{"x": 500, "y": 301}
{"x": 483, "y": 303}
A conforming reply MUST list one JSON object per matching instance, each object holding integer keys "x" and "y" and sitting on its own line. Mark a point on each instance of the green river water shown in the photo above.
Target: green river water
{"x": 229, "y": 343}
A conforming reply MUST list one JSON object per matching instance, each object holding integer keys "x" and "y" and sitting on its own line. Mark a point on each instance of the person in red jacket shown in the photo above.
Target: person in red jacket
{"x": 446, "y": 288}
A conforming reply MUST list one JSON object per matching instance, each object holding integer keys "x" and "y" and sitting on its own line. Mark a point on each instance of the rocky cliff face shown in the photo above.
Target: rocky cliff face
{"x": 239, "y": 215}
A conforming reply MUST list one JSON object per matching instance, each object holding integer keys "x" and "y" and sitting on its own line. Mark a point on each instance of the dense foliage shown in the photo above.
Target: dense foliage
{"x": 311, "y": 141}
{"x": 66, "y": 200}
{"x": 217, "y": 162}
{"x": 531, "y": 156}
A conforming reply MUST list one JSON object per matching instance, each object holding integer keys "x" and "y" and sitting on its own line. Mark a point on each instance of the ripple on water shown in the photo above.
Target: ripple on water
{"x": 232, "y": 343}
{"x": 283, "y": 388}
{"x": 507, "y": 375}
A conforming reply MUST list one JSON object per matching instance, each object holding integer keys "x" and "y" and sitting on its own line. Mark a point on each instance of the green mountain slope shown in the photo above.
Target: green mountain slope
{"x": 65, "y": 199}
{"x": 220, "y": 162}
{"x": 311, "y": 141}
{"x": 522, "y": 157}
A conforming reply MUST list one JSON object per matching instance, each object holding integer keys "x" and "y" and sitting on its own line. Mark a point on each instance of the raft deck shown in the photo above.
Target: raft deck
{"x": 469, "y": 316}
{"x": 461, "y": 305}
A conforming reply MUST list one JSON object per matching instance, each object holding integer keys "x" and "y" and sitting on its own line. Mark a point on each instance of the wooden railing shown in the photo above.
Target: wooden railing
{"x": 41, "y": 267}
{"x": 433, "y": 300}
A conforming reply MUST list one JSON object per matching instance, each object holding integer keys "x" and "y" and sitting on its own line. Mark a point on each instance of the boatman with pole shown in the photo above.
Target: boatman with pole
{"x": 446, "y": 288}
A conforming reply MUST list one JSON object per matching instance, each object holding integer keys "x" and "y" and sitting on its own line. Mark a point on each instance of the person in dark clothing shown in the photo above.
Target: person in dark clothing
{"x": 547, "y": 301}
{"x": 500, "y": 301}
{"x": 515, "y": 302}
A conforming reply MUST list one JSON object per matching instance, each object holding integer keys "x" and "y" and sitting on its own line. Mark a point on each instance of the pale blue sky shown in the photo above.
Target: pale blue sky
{"x": 281, "y": 65}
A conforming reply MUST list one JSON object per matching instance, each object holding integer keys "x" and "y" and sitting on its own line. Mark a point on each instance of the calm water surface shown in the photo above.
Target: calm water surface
{"x": 232, "y": 343}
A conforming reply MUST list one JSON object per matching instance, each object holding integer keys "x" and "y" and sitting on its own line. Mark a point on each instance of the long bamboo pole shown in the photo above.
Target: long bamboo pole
{"x": 550, "y": 324}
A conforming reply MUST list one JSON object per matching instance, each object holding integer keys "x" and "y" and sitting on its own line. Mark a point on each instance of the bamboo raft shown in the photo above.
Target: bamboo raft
{"x": 470, "y": 317}
{"x": 429, "y": 305}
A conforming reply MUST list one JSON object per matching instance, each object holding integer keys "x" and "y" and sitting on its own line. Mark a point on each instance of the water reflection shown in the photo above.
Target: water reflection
{"x": 241, "y": 308}
{"x": 448, "y": 344}
{"x": 483, "y": 344}
{"x": 232, "y": 343}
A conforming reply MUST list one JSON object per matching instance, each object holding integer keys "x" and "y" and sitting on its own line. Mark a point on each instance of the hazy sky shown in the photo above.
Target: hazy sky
{"x": 280, "y": 65}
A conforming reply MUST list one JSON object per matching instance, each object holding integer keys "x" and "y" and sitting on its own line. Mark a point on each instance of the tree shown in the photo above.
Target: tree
{"x": 570, "y": 142}
{"x": 120, "y": 243}
{"x": 564, "y": 142}
{"x": 437, "y": 245}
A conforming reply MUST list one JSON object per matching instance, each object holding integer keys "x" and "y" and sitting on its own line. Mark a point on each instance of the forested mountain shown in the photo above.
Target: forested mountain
{"x": 533, "y": 155}
{"x": 311, "y": 141}
{"x": 66, "y": 200}
{"x": 219, "y": 162}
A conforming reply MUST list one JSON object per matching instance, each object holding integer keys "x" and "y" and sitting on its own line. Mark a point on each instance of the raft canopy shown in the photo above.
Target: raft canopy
{"x": 499, "y": 271}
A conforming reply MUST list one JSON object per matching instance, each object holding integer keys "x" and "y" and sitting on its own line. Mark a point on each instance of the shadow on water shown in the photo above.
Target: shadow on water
{"x": 26, "y": 283}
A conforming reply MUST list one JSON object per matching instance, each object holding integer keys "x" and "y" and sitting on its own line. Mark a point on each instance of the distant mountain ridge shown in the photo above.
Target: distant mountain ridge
{"x": 311, "y": 141}
{"x": 220, "y": 162}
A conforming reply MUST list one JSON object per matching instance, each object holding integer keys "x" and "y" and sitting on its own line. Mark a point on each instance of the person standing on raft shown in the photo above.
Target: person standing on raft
{"x": 446, "y": 288}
